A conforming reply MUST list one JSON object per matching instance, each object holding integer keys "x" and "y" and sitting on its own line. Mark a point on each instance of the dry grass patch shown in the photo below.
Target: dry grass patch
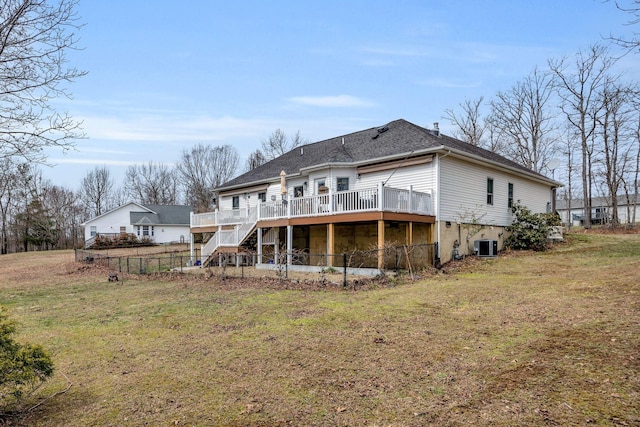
{"x": 525, "y": 339}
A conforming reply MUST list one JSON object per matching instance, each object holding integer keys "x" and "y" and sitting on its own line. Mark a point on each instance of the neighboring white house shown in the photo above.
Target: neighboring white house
{"x": 392, "y": 185}
{"x": 601, "y": 210}
{"x": 158, "y": 223}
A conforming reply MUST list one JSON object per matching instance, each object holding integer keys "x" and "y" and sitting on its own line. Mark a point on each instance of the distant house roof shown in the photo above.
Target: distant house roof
{"x": 597, "y": 202}
{"x": 153, "y": 214}
{"x": 162, "y": 215}
{"x": 397, "y": 139}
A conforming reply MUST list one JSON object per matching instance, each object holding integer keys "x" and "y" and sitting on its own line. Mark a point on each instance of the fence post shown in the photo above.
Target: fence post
{"x": 397, "y": 262}
{"x": 344, "y": 270}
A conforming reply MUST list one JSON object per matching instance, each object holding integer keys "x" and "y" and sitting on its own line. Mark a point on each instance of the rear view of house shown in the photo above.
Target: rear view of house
{"x": 398, "y": 184}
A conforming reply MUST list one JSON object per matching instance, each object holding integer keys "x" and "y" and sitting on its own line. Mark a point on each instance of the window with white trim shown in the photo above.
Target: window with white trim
{"x": 510, "y": 202}
{"x": 343, "y": 184}
{"x": 490, "y": 191}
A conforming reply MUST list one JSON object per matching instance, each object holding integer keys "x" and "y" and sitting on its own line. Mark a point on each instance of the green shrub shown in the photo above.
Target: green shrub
{"x": 23, "y": 367}
{"x": 529, "y": 230}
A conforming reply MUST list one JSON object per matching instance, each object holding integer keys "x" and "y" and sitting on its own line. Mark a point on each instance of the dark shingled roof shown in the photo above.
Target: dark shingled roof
{"x": 398, "y": 140}
{"x": 164, "y": 215}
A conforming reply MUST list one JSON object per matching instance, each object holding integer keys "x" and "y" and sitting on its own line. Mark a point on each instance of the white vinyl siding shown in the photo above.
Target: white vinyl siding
{"x": 421, "y": 177}
{"x": 463, "y": 188}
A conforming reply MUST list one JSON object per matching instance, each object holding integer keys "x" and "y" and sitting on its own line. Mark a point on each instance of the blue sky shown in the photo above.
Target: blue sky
{"x": 165, "y": 75}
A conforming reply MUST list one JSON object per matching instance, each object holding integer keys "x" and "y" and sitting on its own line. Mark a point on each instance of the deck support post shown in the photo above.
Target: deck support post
{"x": 276, "y": 247}
{"x": 380, "y": 244}
{"x": 289, "y": 244}
{"x": 330, "y": 244}
{"x": 259, "y": 231}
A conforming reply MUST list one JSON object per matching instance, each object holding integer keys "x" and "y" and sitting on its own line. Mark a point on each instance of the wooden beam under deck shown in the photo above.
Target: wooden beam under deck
{"x": 333, "y": 219}
{"x": 349, "y": 217}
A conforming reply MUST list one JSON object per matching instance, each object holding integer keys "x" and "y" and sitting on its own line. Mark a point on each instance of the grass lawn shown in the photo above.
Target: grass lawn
{"x": 525, "y": 339}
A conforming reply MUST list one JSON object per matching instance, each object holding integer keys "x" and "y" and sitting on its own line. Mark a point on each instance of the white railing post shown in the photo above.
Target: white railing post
{"x": 215, "y": 217}
{"x": 410, "y": 199}
{"x": 331, "y": 201}
{"x": 381, "y": 196}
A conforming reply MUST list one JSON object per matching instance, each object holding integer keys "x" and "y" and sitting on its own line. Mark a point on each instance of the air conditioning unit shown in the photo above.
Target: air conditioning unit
{"x": 486, "y": 248}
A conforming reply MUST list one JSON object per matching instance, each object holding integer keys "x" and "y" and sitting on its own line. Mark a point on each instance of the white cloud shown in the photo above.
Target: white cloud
{"x": 338, "y": 101}
{"x": 158, "y": 127}
{"x": 99, "y": 162}
{"x": 449, "y": 84}
{"x": 397, "y": 51}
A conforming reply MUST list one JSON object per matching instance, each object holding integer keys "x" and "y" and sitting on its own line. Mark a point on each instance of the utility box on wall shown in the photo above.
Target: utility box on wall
{"x": 486, "y": 248}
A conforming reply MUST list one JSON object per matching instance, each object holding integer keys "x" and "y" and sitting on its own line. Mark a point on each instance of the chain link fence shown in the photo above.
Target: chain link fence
{"x": 410, "y": 258}
{"x": 139, "y": 264}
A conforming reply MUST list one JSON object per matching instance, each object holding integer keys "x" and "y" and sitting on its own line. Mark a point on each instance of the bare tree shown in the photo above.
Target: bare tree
{"x": 569, "y": 149}
{"x": 522, "y": 117}
{"x": 35, "y": 36}
{"x": 9, "y": 190}
{"x": 254, "y": 160}
{"x": 64, "y": 208}
{"x": 615, "y": 133}
{"x": 279, "y": 143}
{"x": 96, "y": 191}
{"x": 202, "y": 169}
{"x": 152, "y": 183}
{"x": 578, "y": 88}
{"x": 469, "y": 124}
{"x": 632, "y": 42}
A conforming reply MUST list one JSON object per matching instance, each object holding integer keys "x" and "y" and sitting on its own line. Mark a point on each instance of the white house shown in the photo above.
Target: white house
{"x": 392, "y": 185}
{"x": 601, "y": 210}
{"x": 158, "y": 223}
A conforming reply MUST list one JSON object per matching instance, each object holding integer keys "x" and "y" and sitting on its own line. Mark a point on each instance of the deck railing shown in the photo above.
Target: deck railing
{"x": 362, "y": 200}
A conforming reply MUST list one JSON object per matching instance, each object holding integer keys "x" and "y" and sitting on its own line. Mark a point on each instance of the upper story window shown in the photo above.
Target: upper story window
{"x": 490, "y": 191}
{"x": 320, "y": 185}
{"x": 298, "y": 191}
{"x": 236, "y": 202}
{"x": 343, "y": 184}
{"x": 510, "y": 203}
{"x": 262, "y": 196}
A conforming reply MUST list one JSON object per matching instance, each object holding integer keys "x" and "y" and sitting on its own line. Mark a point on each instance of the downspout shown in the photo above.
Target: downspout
{"x": 438, "y": 198}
